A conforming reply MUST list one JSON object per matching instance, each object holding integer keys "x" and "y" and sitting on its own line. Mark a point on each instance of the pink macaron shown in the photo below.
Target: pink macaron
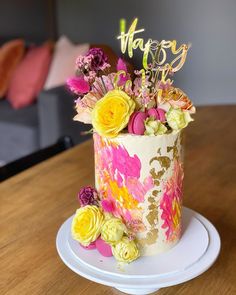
{"x": 157, "y": 114}
{"x": 136, "y": 123}
{"x": 103, "y": 248}
{"x": 91, "y": 246}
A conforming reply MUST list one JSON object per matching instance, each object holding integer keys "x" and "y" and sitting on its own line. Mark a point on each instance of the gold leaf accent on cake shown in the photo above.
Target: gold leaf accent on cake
{"x": 155, "y": 193}
{"x": 156, "y": 175}
{"x": 152, "y": 218}
{"x": 163, "y": 160}
{"x": 174, "y": 148}
{"x": 151, "y": 207}
{"x": 156, "y": 182}
{"x": 150, "y": 238}
{"x": 159, "y": 167}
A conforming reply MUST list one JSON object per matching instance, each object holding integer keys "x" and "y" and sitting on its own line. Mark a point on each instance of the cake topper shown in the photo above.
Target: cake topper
{"x": 141, "y": 102}
{"x": 155, "y": 53}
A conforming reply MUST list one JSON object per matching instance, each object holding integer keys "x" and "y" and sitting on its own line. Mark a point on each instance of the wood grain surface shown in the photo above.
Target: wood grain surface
{"x": 36, "y": 202}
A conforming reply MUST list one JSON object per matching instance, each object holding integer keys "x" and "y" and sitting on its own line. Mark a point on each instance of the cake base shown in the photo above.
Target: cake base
{"x": 185, "y": 261}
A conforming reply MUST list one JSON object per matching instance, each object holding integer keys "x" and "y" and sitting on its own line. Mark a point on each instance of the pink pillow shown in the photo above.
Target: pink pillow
{"x": 29, "y": 77}
{"x": 63, "y": 62}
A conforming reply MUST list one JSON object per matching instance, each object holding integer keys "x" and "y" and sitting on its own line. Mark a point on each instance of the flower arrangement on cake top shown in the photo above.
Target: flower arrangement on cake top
{"x": 136, "y": 209}
{"x": 144, "y": 102}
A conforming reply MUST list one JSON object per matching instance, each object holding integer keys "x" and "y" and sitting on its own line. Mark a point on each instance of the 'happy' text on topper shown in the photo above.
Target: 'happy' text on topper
{"x": 155, "y": 52}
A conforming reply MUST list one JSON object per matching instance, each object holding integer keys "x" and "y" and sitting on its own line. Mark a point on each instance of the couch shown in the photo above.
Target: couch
{"x": 39, "y": 125}
{"x": 26, "y": 130}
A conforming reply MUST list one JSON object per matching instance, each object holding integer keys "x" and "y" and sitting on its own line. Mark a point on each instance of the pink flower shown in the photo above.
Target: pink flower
{"x": 78, "y": 85}
{"x": 164, "y": 85}
{"x": 98, "y": 85}
{"x": 158, "y": 114}
{"x": 121, "y": 66}
{"x": 136, "y": 123}
{"x": 84, "y": 108}
{"x": 88, "y": 196}
{"x": 99, "y": 59}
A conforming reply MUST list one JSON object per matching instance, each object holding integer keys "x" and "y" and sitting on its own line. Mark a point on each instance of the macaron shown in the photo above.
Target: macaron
{"x": 103, "y": 248}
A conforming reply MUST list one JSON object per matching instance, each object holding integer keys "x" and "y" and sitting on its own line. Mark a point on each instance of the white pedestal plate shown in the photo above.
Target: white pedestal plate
{"x": 194, "y": 254}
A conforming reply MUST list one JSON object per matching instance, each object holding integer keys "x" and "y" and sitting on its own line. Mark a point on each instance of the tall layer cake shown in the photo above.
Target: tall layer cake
{"x": 140, "y": 180}
{"x": 137, "y": 120}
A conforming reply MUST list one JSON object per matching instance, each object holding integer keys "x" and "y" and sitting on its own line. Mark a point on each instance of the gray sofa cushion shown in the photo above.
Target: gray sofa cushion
{"x": 17, "y": 141}
{"x": 56, "y": 112}
{"x": 18, "y": 132}
{"x": 27, "y": 116}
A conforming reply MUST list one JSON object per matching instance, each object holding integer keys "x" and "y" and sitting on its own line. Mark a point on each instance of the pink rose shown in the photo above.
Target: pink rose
{"x": 136, "y": 123}
{"x": 158, "y": 114}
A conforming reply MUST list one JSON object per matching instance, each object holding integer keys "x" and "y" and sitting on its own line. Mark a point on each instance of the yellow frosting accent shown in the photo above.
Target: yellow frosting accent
{"x": 122, "y": 196}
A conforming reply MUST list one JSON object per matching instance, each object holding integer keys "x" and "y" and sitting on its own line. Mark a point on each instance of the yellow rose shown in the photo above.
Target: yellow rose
{"x": 112, "y": 112}
{"x": 178, "y": 119}
{"x": 86, "y": 224}
{"x": 112, "y": 230}
{"x": 125, "y": 250}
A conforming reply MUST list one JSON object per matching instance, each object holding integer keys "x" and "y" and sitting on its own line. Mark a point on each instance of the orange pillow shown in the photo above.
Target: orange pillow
{"x": 11, "y": 54}
{"x": 29, "y": 77}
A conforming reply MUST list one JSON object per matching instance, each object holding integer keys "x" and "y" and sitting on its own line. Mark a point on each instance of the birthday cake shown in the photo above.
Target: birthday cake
{"x": 137, "y": 121}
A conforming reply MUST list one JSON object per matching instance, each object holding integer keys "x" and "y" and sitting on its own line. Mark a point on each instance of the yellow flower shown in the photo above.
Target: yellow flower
{"x": 125, "y": 250}
{"x": 86, "y": 224}
{"x": 178, "y": 119}
{"x": 111, "y": 113}
{"x": 112, "y": 230}
{"x": 154, "y": 127}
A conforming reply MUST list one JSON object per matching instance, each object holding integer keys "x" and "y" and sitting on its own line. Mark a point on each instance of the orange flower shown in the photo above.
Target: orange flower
{"x": 176, "y": 98}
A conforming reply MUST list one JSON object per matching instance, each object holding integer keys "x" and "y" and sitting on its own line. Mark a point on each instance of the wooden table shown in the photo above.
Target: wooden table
{"x": 35, "y": 203}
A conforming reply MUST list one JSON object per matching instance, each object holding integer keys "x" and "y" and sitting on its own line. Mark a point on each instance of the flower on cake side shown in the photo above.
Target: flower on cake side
{"x": 94, "y": 228}
{"x": 86, "y": 224}
{"x": 113, "y": 102}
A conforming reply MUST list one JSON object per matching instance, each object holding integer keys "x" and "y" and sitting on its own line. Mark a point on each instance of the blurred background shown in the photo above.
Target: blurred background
{"x": 73, "y": 26}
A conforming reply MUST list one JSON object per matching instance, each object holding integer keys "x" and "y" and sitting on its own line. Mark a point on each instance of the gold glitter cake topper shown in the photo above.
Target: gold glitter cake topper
{"x": 155, "y": 52}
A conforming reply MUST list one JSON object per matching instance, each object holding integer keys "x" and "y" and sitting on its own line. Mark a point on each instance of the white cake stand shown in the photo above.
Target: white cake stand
{"x": 194, "y": 254}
